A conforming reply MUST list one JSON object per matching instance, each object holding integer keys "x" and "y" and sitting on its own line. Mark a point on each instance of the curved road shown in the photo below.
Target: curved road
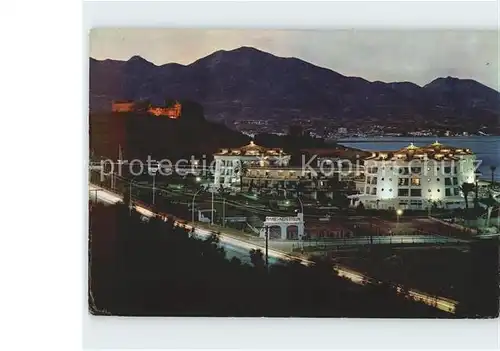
{"x": 229, "y": 242}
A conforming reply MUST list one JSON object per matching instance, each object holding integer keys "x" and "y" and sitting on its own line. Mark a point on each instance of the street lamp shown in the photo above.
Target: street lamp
{"x": 301, "y": 204}
{"x": 154, "y": 170}
{"x": 302, "y": 212}
{"x": 399, "y": 212}
{"x": 130, "y": 194}
{"x": 198, "y": 179}
{"x": 223, "y": 197}
{"x": 212, "y": 190}
{"x": 192, "y": 205}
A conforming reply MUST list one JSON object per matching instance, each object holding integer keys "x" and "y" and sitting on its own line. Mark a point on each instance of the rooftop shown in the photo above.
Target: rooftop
{"x": 251, "y": 149}
{"x": 434, "y": 151}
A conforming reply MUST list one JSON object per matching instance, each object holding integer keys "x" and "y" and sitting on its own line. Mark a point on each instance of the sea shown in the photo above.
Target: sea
{"x": 486, "y": 148}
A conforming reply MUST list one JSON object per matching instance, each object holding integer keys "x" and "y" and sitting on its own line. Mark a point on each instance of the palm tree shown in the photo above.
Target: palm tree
{"x": 476, "y": 195}
{"x": 493, "y": 169}
{"x": 466, "y": 189}
{"x": 242, "y": 171}
{"x": 490, "y": 203}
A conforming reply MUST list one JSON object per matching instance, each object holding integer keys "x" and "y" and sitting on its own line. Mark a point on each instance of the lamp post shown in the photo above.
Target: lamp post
{"x": 130, "y": 195}
{"x": 301, "y": 205}
{"x": 223, "y": 210}
{"x": 399, "y": 212}
{"x": 192, "y": 205}
{"x": 154, "y": 170}
{"x": 302, "y": 213}
{"x": 267, "y": 248}
{"x": 212, "y": 215}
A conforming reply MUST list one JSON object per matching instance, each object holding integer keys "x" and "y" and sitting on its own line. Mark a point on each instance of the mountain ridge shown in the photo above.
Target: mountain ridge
{"x": 136, "y": 57}
{"x": 247, "y": 83}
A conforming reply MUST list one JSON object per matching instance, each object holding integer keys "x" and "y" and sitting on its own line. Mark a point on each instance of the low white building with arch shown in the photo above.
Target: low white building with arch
{"x": 283, "y": 223}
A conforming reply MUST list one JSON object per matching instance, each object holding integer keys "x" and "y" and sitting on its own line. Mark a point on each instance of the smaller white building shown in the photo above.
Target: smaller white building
{"x": 417, "y": 177}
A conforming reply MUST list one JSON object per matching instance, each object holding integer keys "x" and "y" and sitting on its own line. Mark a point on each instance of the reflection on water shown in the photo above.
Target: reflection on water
{"x": 487, "y": 149}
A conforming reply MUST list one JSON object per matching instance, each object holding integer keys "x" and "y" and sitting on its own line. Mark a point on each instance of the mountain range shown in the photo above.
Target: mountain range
{"x": 247, "y": 83}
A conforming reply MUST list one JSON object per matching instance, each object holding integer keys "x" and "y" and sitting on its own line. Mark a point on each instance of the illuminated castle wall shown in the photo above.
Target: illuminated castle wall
{"x": 123, "y": 106}
{"x": 173, "y": 112}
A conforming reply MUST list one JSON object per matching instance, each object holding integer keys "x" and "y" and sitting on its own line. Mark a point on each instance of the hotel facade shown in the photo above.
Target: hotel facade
{"x": 417, "y": 177}
{"x": 409, "y": 178}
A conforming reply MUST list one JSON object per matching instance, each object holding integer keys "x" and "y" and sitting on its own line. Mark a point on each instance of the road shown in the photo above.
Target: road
{"x": 275, "y": 256}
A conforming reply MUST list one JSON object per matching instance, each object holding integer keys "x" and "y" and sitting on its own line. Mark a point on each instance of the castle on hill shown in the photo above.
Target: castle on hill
{"x": 173, "y": 112}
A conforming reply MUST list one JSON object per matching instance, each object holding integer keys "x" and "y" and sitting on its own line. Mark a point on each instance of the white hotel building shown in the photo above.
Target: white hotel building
{"x": 417, "y": 177}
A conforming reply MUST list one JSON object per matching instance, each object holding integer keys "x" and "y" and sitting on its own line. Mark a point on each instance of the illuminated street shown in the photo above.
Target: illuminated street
{"x": 233, "y": 245}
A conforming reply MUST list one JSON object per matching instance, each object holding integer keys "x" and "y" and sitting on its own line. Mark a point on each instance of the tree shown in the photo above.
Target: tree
{"x": 490, "y": 203}
{"x": 493, "y": 169}
{"x": 466, "y": 189}
{"x": 360, "y": 207}
{"x": 242, "y": 170}
{"x": 251, "y": 186}
{"x": 476, "y": 196}
{"x": 257, "y": 258}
